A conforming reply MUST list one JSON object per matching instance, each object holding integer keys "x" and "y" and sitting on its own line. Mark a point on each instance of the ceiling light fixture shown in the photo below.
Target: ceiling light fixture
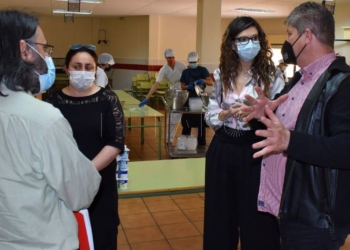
{"x": 61, "y": 11}
{"x": 85, "y": 1}
{"x": 255, "y": 10}
{"x": 73, "y": 5}
{"x": 68, "y": 18}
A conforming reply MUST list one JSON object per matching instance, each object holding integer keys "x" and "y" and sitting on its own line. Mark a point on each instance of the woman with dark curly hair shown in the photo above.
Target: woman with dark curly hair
{"x": 232, "y": 175}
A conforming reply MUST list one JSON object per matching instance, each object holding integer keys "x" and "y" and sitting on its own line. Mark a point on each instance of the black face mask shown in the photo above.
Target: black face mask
{"x": 108, "y": 69}
{"x": 288, "y": 53}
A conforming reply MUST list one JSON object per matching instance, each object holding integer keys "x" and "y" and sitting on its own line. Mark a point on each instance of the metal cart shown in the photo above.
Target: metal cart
{"x": 172, "y": 151}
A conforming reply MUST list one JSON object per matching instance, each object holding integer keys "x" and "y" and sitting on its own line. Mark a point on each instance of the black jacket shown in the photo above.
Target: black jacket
{"x": 316, "y": 188}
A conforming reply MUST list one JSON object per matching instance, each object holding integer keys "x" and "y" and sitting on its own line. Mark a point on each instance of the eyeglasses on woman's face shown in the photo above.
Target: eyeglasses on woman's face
{"x": 245, "y": 40}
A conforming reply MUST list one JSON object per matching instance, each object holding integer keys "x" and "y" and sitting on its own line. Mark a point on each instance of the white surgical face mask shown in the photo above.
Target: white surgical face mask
{"x": 81, "y": 80}
{"x": 248, "y": 51}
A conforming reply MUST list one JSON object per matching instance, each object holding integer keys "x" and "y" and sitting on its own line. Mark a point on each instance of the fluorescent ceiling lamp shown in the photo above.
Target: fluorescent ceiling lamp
{"x": 255, "y": 10}
{"x": 85, "y": 1}
{"x": 61, "y": 11}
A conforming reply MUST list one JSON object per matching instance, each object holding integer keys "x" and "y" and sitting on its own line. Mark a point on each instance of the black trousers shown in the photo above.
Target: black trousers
{"x": 232, "y": 180}
{"x": 189, "y": 121}
{"x": 103, "y": 211}
{"x": 296, "y": 236}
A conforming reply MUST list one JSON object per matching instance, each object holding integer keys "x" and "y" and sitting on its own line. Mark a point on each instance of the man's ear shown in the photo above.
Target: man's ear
{"x": 23, "y": 49}
{"x": 308, "y": 35}
{"x": 66, "y": 70}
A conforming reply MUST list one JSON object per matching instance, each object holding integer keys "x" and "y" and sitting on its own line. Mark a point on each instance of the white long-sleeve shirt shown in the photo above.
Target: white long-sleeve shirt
{"x": 101, "y": 78}
{"x": 172, "y": 75}
{"x": 218, "y": 101}
{"x": 43, "y": 176}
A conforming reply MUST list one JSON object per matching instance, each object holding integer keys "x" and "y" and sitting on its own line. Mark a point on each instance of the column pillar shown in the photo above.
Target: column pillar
{"x": 208, "y": 39}
{"x": 153, "y": 43}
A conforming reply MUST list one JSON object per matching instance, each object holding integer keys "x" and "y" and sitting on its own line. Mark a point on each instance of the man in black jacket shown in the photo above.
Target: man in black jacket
{"x": 305, "y": 176}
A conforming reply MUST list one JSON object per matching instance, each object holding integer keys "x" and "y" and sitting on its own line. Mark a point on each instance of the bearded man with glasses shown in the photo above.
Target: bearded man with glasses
{"x": 43, "y": 175}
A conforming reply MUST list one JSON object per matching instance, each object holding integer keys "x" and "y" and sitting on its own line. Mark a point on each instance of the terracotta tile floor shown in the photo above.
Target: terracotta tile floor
{"x": 173, "y": 222}
{"x": 161, "y": 222}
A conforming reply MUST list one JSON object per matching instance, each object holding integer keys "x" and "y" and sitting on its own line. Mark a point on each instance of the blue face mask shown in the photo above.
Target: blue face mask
{"x": 193, "y": 65}
{"x": 248, "y": 52}
{"x": 46, "y": 80}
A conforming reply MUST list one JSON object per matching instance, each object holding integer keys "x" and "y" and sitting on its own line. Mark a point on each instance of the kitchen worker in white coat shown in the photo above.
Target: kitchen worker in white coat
{"x": 171, "y": 71}
{"x": 105, "y": 61}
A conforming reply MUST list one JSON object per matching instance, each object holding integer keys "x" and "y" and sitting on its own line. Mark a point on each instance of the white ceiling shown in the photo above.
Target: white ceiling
{"x": 122, "y": 8}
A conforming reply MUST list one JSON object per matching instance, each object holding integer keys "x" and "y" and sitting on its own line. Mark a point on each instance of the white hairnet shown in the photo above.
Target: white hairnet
{"x": 192, "y": 56}
{"x": 169, "y": 53}
{"x": 106, "y": 58}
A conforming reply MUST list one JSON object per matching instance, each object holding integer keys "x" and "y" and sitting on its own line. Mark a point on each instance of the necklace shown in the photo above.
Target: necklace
{"x": 245, "y": 74}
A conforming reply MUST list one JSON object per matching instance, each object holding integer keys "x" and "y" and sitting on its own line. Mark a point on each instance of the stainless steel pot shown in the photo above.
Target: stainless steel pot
{"x": 175, "y": 99}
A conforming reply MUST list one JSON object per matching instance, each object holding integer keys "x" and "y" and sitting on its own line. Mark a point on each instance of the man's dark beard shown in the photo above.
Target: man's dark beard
{"x": 40, "y": 63}
{"x": 108, "y": 69}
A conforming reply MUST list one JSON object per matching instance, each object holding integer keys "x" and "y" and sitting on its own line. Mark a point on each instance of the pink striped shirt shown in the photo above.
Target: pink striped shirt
{"x": 273, "y": 166}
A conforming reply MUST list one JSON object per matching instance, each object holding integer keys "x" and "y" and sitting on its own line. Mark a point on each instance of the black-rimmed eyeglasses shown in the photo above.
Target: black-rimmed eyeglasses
{"x": 79, "y": 46}
{"x": 47, "y": 47}
{"x": 245, "y": 40}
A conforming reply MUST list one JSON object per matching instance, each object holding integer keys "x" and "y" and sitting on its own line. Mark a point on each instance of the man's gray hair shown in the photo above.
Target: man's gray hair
{"x": 313, "y": 16}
